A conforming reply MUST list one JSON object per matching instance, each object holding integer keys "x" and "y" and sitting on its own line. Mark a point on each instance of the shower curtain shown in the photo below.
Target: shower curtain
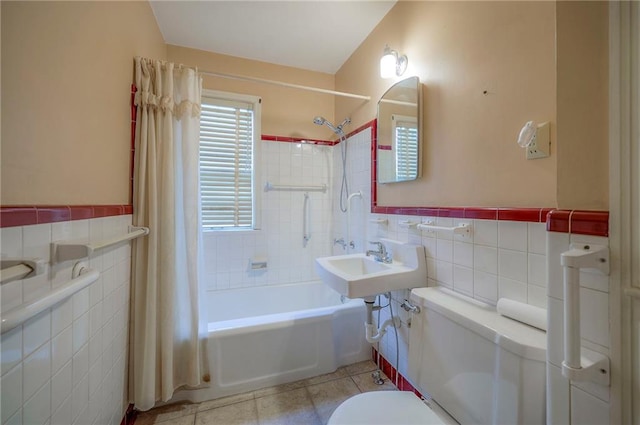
{"x": 167, "y": 335}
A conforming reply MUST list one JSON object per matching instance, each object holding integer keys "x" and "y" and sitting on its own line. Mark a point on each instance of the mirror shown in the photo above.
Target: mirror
{"x": 398, "y": 132}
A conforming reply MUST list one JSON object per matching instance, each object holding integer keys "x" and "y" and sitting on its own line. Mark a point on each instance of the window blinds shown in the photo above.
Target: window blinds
{"x": 406, "y": 136}
{"x": 226, "y": 163}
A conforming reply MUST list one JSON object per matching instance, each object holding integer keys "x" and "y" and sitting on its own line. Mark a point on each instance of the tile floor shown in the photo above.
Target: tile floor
{"x": 307, "y": 402}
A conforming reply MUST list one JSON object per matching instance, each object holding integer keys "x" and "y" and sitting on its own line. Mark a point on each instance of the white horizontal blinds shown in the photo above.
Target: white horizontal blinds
{"x": 406, "y": 137}
{"x": 226, "y": 163}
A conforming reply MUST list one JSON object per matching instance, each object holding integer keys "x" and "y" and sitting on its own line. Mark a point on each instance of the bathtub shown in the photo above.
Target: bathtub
{"x": 270, "y": 335}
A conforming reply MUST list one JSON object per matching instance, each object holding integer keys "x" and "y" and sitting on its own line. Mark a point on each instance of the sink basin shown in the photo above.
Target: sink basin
{"x": 359, "y": 276}
{"x": 356, "y": 265}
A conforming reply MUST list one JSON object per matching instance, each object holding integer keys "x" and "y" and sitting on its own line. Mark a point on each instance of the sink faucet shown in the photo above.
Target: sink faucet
{"x": 381, "y": 254}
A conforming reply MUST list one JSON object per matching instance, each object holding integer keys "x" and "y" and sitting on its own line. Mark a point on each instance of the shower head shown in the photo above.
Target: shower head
{"x": 338, "y": 130}
{"x": 319, "y": 120}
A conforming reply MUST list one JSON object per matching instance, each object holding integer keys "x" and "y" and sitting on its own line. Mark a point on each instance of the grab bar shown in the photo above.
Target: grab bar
{"x": 268, "y": 187}
{"x": 463, "y": 229}
{"x": 23, "y": 268}
{"x": 63, "y": 251}
{"x": 592, "y": 366}
{"x": 306, "y": 220}
{"x": 21, "y": 314}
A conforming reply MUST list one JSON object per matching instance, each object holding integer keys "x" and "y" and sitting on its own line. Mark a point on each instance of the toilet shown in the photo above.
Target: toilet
{"x": 473, "y": 365}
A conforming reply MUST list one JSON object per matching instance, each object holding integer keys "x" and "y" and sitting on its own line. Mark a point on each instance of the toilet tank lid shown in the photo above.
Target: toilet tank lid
{"x": 483, "y": 319}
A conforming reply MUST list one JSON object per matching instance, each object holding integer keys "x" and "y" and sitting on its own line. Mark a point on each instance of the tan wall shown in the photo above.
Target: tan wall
{"x": 460, "y": 50}
{"x": 583, "y": 105}
{"x": 67, "y": 69}
{"x": 285, "y": 111}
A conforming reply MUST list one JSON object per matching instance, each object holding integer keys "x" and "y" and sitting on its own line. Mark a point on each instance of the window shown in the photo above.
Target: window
{"x": 229, "y": 142}
{"x": 405, "y": 131}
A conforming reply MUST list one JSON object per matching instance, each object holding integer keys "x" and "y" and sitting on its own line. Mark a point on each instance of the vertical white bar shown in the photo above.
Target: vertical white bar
{"x": 306, "y": 220}
{"x": 572, "y": 317}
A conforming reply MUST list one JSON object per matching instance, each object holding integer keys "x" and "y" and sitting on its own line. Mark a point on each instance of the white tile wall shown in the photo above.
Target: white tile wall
{"x": 67, "y": 365}
{"x": 227, "y": 254}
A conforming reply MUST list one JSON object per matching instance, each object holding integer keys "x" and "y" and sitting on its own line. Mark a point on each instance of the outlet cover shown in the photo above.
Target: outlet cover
{"x": 541, "y": 145}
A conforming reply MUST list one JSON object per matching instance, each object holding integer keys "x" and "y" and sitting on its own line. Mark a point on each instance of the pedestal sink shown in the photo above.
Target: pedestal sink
{"x": 359, "y": 276}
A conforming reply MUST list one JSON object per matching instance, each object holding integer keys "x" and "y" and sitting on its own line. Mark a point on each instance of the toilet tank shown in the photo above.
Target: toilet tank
{"x": 482, "y": 368}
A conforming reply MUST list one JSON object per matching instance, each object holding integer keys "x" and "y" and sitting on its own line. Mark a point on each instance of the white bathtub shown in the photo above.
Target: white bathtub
{"x": 270, "y": 335}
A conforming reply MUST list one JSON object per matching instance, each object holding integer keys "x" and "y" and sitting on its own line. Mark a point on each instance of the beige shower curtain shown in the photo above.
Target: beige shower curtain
{"x": 166, "y": 344}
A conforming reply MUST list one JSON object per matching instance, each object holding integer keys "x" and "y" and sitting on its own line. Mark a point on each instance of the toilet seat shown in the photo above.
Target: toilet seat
{"x": 386, "y": 408}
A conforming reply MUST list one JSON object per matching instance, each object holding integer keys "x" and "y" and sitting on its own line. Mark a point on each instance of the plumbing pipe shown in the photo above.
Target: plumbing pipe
{"x": 372, "y": 334}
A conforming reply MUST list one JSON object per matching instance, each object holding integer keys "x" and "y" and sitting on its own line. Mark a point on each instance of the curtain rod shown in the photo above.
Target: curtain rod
{"x": 283, "y": 84}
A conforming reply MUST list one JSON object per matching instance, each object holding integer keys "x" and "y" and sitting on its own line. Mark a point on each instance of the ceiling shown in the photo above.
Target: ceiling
{"x": 314, "y": 35}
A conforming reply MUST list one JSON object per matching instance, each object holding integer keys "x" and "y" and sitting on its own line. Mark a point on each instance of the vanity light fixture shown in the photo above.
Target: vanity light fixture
{"x": 392, "y": 64}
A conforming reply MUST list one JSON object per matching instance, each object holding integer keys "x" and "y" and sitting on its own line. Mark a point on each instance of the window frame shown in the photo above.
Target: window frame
{"x": 256, "y": 180}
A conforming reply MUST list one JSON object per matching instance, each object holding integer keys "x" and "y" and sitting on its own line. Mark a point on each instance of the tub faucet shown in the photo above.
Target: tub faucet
{"x": 381, "y": 254}
{"x": 343, "y": 243}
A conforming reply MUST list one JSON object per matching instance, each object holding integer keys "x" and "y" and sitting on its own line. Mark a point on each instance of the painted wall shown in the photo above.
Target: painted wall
{"x": 285, "y": 111}
{"x": 486, "y": 69}
{"x": 583, "y": 105}
{"x": 67, "y": 69}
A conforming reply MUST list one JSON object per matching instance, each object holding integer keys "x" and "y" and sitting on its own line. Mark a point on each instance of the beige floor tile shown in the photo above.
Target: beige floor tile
{"x": 182, "y": 420}
{"x": 292, "y": 407}
{"x": 225, "y": 401}
{"x": 360, "y": 367}
{"x": 279, "y": 389}
{"x": 166, "y": 413}
{"x": 340, "y": 373}
{"x": 243, "y": 413}
{"x": 328, "y": 395}
{"x": 365, "y": 383}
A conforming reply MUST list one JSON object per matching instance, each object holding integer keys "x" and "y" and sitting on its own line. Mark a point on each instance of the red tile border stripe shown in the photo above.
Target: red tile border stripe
{"x": 11, "y": 216}
{"x": 387, "y": 368}
{"x": 594, "y": 223}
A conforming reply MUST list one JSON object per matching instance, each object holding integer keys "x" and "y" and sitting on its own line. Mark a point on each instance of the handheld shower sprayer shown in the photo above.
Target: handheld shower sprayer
{"x": 344, "y": 187}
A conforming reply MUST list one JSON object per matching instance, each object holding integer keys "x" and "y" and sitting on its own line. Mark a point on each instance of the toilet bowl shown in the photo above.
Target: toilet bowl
{"x": 476, "y": 366}
{"x": 387, "y": 408}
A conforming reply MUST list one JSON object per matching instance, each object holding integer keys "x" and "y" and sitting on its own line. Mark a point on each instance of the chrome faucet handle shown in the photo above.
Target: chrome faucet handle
{"x": 340, "y": 242}
{"x": 381, "y": 254}
{"x": 379, "y": 244}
